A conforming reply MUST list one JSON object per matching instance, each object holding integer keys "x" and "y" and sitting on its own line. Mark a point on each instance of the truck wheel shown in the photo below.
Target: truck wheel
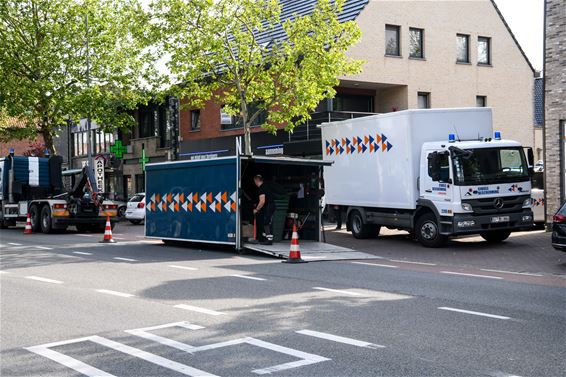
{"x": 361, "y": 230}
{"x": 35, "y": 218}
{"x": 46, "y": 222}
{"x": 136, "y": 222}
{"x": 428, "y": 232}
{"x": 496, "y": 236}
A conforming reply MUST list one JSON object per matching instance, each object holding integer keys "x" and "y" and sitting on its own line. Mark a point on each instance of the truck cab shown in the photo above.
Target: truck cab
{"x": 471, "y": 187}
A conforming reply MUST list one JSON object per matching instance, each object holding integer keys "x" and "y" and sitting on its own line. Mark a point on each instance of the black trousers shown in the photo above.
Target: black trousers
{"x": 263, "y": 224}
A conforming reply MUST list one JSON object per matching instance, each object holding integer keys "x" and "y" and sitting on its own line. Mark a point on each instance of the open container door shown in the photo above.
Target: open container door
{"x": 195, "y": 201}
{"x": 296, "y": 185}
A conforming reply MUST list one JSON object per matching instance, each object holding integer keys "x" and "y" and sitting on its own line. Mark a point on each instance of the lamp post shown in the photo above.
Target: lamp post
{"x": 88, "y": 121}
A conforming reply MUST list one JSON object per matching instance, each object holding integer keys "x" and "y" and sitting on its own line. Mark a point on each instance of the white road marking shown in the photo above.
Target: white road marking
{"x": 43, "y": 247}
{"x": 306, "y": 358}
{"x": 198, "y": 309}
{"x": 68, "y": 361}
{"x": 135, "y": 352}
{"x": 474, "y": 313}
{"x": 472, "y": 275}
{"x": 81, "y": 253}
{"x": 4, "y": 272}
{"x": 45, "y": 280}
{"x": 145, "y": 333}
{"x": 375, "y": 264}
{"x": 115, "y": 293}
{"x": 248, "y": 277}
{"x": 84, "y": 235}
{"x": 183, "y": 267}
{"x": 118, "y": 238}
{"x": 14, "y": 244}
{"x": 337, "y": 291}
{"x": 411, "y": 262}
{"x": 339, "y": 339}
{"x": 512, "y": 272}
{"x": 125, "y": 259}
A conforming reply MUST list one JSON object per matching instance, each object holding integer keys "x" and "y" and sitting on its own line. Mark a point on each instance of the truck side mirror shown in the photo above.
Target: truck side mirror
{"x": 530, "y": 157}
{"x": 434, "y": 166}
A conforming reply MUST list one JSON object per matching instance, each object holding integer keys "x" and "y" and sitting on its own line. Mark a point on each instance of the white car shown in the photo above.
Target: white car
{"x": 135, "y": 211}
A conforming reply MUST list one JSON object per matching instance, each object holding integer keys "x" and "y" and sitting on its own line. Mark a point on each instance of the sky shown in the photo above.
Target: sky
{"x": 526, "y": 20}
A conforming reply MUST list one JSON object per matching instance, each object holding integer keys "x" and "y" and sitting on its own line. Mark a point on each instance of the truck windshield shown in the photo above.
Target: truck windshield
{"x": 485, "y": 166}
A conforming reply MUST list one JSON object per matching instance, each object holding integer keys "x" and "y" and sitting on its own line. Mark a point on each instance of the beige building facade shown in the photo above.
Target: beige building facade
{"x": 422, "y": 69}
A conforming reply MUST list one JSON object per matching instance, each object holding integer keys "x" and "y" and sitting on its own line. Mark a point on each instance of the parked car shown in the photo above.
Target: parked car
{"x": 135, "y": 211}
{"x": 559, "y": 229}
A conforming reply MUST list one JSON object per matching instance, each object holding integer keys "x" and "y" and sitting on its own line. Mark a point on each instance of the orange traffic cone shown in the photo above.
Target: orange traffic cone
{"x": 108, "y": 232}
{"x": 295, "y": 251}
{"x": 28, "y": 229}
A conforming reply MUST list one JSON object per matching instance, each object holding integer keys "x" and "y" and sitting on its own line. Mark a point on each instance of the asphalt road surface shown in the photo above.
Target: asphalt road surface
{"x": 71, "y": 306}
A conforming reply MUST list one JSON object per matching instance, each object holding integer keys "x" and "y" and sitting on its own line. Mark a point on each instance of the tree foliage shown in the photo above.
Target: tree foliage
{"x": 43, "y": 55}
{"x": 228, "y": 50}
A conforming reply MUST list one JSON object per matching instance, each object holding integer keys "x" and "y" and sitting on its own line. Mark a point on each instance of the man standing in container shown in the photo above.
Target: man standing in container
{"x": 264, "y": 212}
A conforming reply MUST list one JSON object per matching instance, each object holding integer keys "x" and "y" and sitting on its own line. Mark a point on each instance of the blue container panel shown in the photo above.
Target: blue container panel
{"x": 193, "y": 201}
{"x": 22, "y": 170}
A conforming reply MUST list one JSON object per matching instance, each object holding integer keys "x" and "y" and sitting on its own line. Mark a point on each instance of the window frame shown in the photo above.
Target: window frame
{"x": 397, "y": 29}
{"x": 197, "y": 113}
{"x": 425, "y": 95}
{"x": 421, "y": 32}
{"x": 488, "y": 42}
{"x": 467, "y": 38}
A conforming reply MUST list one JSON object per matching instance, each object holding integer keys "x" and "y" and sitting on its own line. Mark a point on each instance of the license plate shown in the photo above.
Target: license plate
{"x": 500, "y": 219}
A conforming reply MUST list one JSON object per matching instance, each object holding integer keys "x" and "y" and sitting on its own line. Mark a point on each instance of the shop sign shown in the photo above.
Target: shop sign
{"x": 99, "y": 164}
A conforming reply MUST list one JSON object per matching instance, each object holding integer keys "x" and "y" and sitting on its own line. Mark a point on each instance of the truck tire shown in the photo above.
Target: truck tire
{"x": 35, "y": 218}
{"x": 46, "y": 221}
{"x": 135, "y": 222}
{"x": 496, "y": 236}
{"x": 428, "y": 231}
{"x": 359, "y": 229}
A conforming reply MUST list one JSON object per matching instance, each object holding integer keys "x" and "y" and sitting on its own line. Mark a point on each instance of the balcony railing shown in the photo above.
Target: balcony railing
{"x": 310, "y": 129}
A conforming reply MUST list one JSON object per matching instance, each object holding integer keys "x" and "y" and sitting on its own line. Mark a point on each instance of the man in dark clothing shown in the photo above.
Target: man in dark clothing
{"x": 264, "y": 211}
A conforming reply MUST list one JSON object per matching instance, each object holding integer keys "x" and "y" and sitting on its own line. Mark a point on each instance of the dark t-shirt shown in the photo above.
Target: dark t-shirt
{"x": 269, "y": 203}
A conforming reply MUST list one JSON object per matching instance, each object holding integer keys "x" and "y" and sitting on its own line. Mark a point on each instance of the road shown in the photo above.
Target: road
{"x": 71, "y": 306}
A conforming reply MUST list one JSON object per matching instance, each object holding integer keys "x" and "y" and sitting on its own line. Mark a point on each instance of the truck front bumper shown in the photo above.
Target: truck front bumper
{"x": 65, "y": 221}
{"x": 470, "y": 224}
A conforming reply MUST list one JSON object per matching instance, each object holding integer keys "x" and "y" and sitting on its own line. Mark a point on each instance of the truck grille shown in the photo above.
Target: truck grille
{"x": 488, "y": 206}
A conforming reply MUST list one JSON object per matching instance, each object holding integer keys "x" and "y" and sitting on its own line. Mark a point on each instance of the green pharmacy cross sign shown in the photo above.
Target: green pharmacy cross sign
{"x": 143, "y": 160}
{"x": 118, "y": 149}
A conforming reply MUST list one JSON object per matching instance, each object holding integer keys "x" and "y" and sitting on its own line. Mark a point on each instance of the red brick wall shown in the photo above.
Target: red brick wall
{"x": 20, "y": 146}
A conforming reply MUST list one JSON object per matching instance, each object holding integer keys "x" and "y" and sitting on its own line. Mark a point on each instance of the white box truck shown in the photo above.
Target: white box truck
{"x": 436, "y": 173}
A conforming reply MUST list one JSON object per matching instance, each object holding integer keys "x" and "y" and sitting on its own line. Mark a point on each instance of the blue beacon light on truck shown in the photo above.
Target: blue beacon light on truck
{"x": 497, "y": 135}
{"x": 452, "y": 138}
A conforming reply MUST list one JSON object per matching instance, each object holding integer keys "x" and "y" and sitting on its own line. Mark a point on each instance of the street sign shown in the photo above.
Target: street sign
{"x": 118, "y": 149}
{"x": 99, "y": 163}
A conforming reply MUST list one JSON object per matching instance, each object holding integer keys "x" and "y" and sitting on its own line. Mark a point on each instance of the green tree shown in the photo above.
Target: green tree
{"x": 43, "y": 64}
{"x": 222, "y": 50}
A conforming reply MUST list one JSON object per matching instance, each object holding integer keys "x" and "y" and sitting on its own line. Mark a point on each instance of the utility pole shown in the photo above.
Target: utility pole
{"x": 88, "y": 122}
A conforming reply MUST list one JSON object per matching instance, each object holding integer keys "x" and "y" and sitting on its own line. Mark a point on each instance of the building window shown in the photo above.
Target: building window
{"x": 462, "y": 48}
{"x": 484, "y": 50}
{"x": 392, "y": 46}
{"x": 140, "y": 182}
{"x": 229, "y": 122}
{"x": 195, "y": 120}
{"x": 416, "y": 43}
{"x": 481, "y": 101}
{"x": 423, "y": 100}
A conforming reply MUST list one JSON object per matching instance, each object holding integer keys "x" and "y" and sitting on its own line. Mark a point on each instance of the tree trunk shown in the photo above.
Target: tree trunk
{"x": 247, "y": 140}
{"x": 48, "y": 140}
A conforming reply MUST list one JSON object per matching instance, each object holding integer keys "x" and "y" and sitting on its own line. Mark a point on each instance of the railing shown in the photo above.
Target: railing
{"x": 310, "y": 129}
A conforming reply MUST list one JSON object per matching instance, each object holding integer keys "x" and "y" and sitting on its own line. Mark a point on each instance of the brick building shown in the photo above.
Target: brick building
{"x": 555, "y": 104}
